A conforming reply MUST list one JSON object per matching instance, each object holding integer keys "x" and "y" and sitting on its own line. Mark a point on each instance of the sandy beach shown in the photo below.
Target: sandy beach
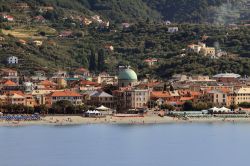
{"x": 78, "y": 120}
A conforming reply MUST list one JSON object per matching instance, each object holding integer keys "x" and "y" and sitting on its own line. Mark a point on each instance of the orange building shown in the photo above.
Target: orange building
{"x": 74, "y": 97}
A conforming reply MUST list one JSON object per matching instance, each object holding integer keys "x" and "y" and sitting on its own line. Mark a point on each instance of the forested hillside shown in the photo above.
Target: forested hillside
{"x": 69, "y": 43}
{"x": 201, "y": 11}
{"x": 194, "y": 11}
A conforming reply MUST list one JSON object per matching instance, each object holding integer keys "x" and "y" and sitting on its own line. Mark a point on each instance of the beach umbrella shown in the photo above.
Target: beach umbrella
{"x": 102, "y": 108}
{"x": 214, "y": 109}
{"x": 224, "y": 109}
{"x": 96, "y": 112}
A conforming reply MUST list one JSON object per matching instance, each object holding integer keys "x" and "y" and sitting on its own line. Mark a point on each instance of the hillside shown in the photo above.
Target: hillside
{"x": 70, "y": 41}
{"x": 116, "y": 11}
{"x": 202, "y": 11}
{"x": 192, "y": 11}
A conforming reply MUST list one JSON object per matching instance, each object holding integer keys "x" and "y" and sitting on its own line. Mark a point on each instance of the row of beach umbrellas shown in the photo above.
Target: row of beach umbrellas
{"x": 101, "y": 108}
{"x": 222, "y": 109}
{"x": 19, "y": 117}
{"x": 93, "y": 112}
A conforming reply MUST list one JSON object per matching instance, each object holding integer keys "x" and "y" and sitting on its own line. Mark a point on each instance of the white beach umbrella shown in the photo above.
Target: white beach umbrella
{"x": 96, "y": 112}
{"x": 90, "y": 112}
{"x": 224, "y": 109}
{"x": 102, "y": 108}
{"x": 214, "y": 109}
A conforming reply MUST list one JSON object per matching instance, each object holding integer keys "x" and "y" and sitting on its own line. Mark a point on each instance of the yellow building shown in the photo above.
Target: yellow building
{"x": 241, "y": 95}
{"x": 208, "y": 51}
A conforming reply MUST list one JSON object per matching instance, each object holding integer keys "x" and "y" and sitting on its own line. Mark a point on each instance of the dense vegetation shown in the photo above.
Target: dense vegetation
{"x": 146, "y": 37}
{"x": 197, "y": 11}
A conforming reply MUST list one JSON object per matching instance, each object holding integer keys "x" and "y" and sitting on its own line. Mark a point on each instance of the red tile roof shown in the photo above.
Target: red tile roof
{"x": 10, "y": 83}
{"x": 151, "y": 60}
{"x": 81, "y": 71}
{"x": 189, "y": 93}
{"x": 150, "y": 84}
{"x": 65, "y": 94}
{"x": 186, "y": 98}
{"x": 6, "y": 70}
{"x": 160, "y": 94}
{"x": 47, "y": 83}
{"x": 14, "y": 92}
{"x": 88, "y": 83}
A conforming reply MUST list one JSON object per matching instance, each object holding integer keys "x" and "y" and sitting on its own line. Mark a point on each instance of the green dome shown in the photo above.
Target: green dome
{"x": 127, "y": 74}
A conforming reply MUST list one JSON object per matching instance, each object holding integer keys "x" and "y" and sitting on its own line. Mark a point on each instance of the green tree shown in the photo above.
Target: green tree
{"x": 92, "y": 61}
{"x": 188, "y": 106}
{"x": 244, "y": 105}
{"x": 167, "y": 107}
{"x": 63, "y": 107}
{"x": 101, "y": 60}
{"x": 41, "y": 109}
{"x": 200, "y": 106}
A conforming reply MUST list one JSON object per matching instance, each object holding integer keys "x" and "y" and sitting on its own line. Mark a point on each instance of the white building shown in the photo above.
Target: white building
{"x": 13, "y": 60}
{"x": 173, "y": 29}
{"x": 8, "y": 17}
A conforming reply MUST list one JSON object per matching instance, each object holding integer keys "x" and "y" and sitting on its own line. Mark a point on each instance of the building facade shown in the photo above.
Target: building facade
{"x": 13, "y": 60}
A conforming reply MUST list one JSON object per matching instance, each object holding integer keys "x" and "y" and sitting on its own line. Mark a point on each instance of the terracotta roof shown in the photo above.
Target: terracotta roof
{"x": 88, "y": 83}
{"x": 186, "y": 98}
{"x": 225, "y": 90}
{"x": 160, "y": 94}
{"x": 82, "y": 70}
{"x": 65, "y": 94}
{"x": 151, "y": 60}
{"x": 17, "y": 96}
{"x": 10, "y": 83}
{"x": 14, "y": 92}
{"x": 47, "y": 83}
{"x": 150, "y": 84}
{"x": 8, "y": 70}
{"x": 220, "y": 90}
{"x": 189, "y": 92}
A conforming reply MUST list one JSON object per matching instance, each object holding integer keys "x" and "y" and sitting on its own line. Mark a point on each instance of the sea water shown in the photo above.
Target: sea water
{"x": 126, "y": 145}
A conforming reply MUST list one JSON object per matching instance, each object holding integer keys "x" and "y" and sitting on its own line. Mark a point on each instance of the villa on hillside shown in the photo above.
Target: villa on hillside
{"x": 202, "y": 49}
{"x": 151, "y": 61}
{"x": 8, "y": 17}
{"x": 173, "y": 29}
{"x": 13, "y": 60}
{"x": 109, "y": 47}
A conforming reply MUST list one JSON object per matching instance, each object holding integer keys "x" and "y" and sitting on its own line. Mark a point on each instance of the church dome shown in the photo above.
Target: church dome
{"x": 127, "y": 74}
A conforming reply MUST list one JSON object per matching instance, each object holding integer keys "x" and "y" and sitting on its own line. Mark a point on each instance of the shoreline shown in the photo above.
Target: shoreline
{"x": 78, "y": 120}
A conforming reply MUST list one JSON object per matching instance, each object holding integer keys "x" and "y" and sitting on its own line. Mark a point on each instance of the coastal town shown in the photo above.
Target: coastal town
{"x": 82, "y": 93}
{"x": 63, "y": 63}
{"x": 124, "y": 82}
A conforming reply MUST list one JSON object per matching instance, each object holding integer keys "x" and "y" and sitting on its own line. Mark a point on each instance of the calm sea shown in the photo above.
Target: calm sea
{"x": 126, "y": 145}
